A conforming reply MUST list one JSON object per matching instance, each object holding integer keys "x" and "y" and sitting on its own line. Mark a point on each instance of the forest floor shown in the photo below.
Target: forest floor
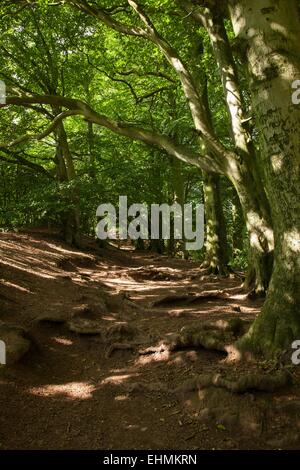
{"x": 107, "y": 390}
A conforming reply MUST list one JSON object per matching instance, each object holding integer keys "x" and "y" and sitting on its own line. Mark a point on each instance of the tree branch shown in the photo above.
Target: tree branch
{"x": 19, "y": 160}
{"x": 146, "y": 74}
{"x": 42, "y": 135}
{"x": 85, "y": 7}
{"x": 78, "y": 107}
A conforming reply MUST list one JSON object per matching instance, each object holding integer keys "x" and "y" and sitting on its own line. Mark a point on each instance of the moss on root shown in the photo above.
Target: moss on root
{"x": 270, "y": 336}
{"x": 218, "y": 336}
{"x": 250, "y": 381}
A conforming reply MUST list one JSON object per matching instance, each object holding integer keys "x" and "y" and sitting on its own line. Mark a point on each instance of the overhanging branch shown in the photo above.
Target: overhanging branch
{"x": 78, "y": 107}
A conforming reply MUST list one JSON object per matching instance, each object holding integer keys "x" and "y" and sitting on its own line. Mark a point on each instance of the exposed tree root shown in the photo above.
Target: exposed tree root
{"x": 118, "y": 347}
{"x": 84, "y": 326}
{"x": 143, "y": 387}
{"x": 256, "y": 294}
{"x": 155, "y": 274}
{"x": 190, "y": 298}
{"x": 120, "y": 331}
{"x": 264, "y": 382}
{"x": 217, "y": 270}
{"x": 115, "y": 303}
{"x": 83, "y": 312}
{"x": 132, "y": 306}
{"x": 189, "y": 338}
{"x": 52, "y": 317}
{"x": 70, "y": 263}
{"x": 154, "y": 349}
{"x": 236, "y": 325}
{"x": 170, "y": 299}
{"x": 219, "y": 335}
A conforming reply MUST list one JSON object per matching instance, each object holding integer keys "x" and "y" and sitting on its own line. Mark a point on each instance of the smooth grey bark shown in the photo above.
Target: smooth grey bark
{"x": 270, "y": 34}
{"x": 243, "y": 172}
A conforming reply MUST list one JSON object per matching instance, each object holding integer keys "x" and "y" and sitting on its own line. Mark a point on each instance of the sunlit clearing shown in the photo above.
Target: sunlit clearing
{"x": 72, "y": 390}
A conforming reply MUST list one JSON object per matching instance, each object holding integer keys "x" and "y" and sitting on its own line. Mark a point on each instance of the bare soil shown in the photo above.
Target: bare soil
{"x": 97, "y": 391}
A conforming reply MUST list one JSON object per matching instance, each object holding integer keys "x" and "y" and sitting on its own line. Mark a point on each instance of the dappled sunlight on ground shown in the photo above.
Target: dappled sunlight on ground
{"x": 117, "y": 379}
{"x": 63, "y": 341}
{"x": 70, "y": 392}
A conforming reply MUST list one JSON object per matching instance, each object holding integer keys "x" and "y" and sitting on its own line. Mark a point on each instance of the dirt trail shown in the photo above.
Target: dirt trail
{"x": 72, "y": 391}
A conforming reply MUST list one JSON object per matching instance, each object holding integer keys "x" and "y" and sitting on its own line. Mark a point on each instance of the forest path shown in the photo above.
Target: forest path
{"x": 68, "y": 392}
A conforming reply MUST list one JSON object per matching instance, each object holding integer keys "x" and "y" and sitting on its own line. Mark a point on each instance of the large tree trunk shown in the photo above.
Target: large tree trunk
{"x": 270, "y": 33}
{"x": 216, "y": 245}
{"x": 260, "y": 232}
{"x": 244, "y": 174}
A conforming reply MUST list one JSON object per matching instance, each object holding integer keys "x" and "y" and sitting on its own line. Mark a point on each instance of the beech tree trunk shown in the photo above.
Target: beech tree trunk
{"x": 238, "y": 224}
{"x": 259, "y": 227}
{"x": 91, "y": 145}
{"x": 216, "y": 245}
{"x": 71, "y": 218}
{"x": 178, "y": 191}
{"x": 269, "y": 32}
{"x": 244, "y": 174}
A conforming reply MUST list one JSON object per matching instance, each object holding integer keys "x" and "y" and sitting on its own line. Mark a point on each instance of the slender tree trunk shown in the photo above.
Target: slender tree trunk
{"x": 91, "y": 144}
{"x": 157, "y": 175}
{"x": 71, "y": 220}
{"x": 216, "y": 244}
{"x": 61, "y": 170}
{"x": 238, "y": 224}
{"x": 270, "y": 34}
{"x": 178, "y": 197}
